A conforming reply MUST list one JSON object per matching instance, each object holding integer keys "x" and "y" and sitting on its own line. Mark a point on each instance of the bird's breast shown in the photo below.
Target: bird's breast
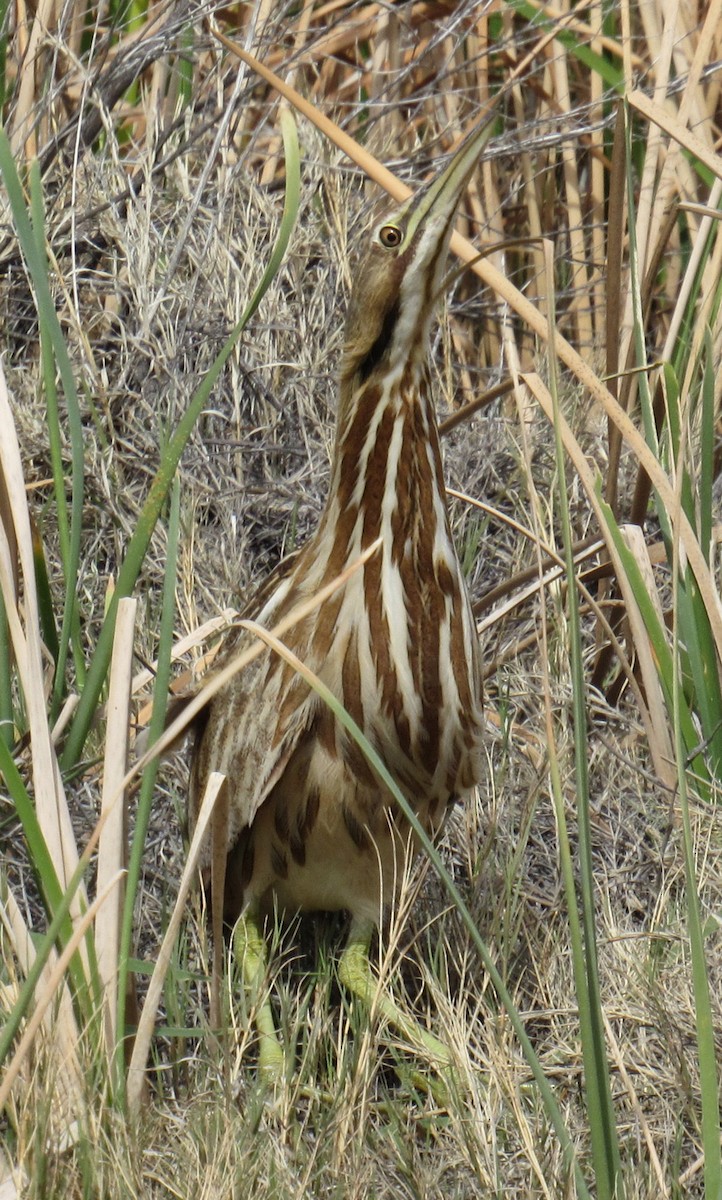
{"x": 400, "y": 653}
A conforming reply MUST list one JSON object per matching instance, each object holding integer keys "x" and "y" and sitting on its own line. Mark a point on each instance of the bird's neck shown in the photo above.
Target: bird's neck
{"x": 386, "y": 477}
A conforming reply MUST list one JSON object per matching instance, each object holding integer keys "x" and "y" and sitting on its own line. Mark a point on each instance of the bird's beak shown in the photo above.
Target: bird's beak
{"x": 439, "y": 198}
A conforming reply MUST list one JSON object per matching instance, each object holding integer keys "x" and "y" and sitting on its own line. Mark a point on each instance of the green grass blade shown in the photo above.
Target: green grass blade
{"x": 46, "y": 612}
{"x": 4, "y": 6}
{"x": 145, "y": 801}
{"x": 55, "y": 442}
{"x": 41, "y": 858}
{"x": 645, "y": 396}
{"x": 57, "y": 903}
{"x": 698, "y": 658}
{"x": 705, "y": 701}
{"x": 185, "y": 67}
{"x": 706, "y": 449}
{"x": 52, "y": 344}
{"x": 600, "y": 1108}
{"x": 7, "y": 714}
{"x": 290, "y": 210}
{"x": 59, "y": 930}
{"x": 30, "y": 240}
{"x": 695, "y": 630}
{"x": 612, "y": 74}
{"x": 159, "y": 488}
{"x": 704, "y": 1027}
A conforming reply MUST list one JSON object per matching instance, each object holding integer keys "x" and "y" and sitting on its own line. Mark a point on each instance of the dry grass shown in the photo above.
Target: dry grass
{"x": 158, "y": 236}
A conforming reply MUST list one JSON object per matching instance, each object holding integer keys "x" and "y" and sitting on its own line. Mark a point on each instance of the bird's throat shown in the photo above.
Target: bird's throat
{"x": 386, "y": 479}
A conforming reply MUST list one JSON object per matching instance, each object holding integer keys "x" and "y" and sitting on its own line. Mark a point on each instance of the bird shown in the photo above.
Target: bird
{"x": 311, "y": 826}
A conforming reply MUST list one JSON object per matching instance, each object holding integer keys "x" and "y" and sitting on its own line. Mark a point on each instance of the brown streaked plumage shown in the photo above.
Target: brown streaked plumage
{"x": 310, "y": 825}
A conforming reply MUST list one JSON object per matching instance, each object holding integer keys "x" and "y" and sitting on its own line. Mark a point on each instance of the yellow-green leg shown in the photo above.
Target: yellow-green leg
{"x": 355, "y": 973}
{"x": 249, "y": 947}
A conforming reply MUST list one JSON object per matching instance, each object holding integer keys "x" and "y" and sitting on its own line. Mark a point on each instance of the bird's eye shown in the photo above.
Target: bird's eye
{"x": 390, "y": 236}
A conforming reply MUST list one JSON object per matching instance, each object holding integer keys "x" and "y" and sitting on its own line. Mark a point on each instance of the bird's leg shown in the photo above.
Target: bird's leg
{"x": 249, "y": 947}
{"x": 355, "y": 973}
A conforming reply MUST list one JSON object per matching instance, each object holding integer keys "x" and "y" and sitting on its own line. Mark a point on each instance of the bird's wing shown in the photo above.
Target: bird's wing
{"x": 189, "y": 684}
{"x": 248, "y": 731}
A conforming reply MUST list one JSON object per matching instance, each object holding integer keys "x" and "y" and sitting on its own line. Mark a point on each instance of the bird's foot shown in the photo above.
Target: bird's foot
{"x": 356, "y": 975}
{"x": 250, "y": 950}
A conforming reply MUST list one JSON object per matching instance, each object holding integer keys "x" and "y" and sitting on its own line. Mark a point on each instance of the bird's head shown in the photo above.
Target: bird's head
{"x": 400, "y": 273}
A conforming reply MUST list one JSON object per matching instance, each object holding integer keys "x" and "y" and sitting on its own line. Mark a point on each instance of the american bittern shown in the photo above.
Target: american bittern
{"x": 311, "y": 827}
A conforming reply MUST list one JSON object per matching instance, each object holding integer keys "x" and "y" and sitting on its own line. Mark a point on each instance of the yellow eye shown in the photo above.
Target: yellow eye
{"x": 390, "y": 236}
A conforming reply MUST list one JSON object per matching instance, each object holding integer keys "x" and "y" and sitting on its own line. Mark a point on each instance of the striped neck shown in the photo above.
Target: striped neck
{"x": 386, "y": 478}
